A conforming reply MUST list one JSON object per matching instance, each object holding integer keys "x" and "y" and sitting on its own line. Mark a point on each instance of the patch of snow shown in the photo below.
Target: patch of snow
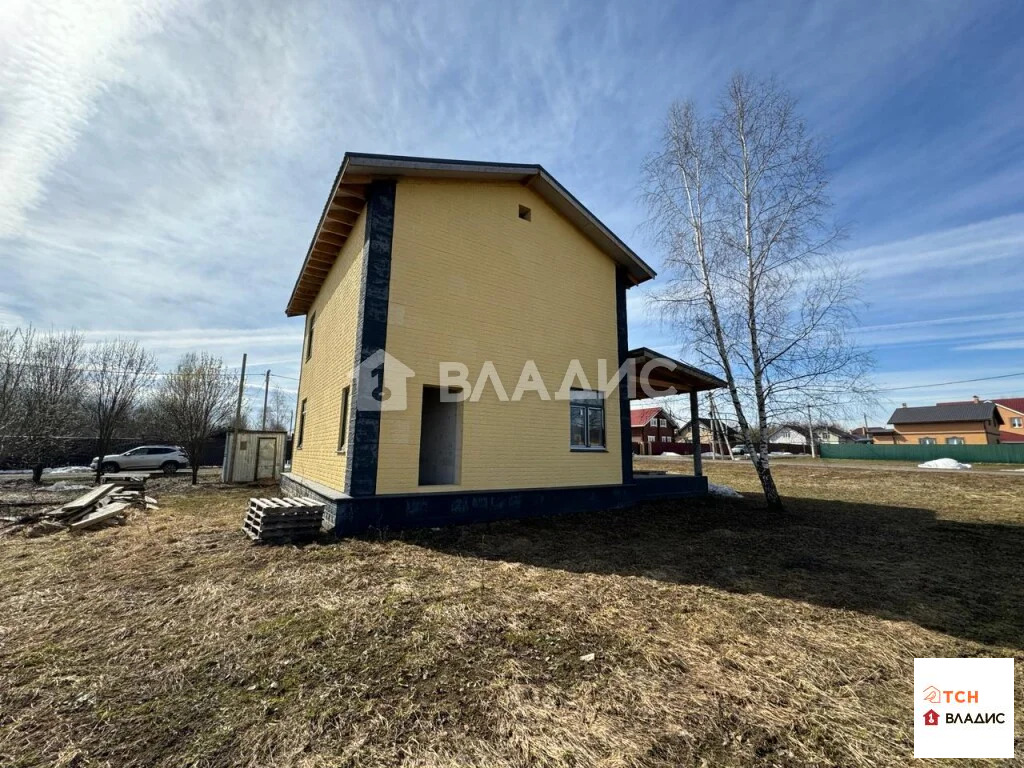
{"x": 670, "y": 453}
{"x": 779, "y": 453}
{"x": 724, "y": 491}
{"x": 67, "y": 470}
{"x": 67, "y": 485}
{"x": 1011, "y": 470}
{"x": 943, "y": 464}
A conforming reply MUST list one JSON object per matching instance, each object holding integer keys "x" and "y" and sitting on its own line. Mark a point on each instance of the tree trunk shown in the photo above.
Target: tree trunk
{"x": 195, "y": 474}
{"x": 771, "y": 493}
{"x": 37, "y": 473}
{"x": 100, "y": 451}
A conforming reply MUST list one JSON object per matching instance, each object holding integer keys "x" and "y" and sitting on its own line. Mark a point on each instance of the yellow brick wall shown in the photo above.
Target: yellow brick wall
{"x": 330, "y": 367}
{"x": 471, "y": 282}
{"x": 973, "y": 432}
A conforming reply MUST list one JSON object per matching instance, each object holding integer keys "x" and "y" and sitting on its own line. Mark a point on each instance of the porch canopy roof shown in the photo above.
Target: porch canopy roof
{"x": 665, "y": 374}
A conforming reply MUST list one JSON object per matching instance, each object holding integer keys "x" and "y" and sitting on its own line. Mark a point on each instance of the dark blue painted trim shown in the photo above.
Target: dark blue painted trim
{"x": 371, "y": 336}
{"x": 396, "y": 512}
{"x": 346, "y": 515}
{"x": 621, "y": 284}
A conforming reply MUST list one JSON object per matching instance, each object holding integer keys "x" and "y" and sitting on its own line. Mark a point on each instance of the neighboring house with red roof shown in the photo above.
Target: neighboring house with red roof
{"x": 651, "y": 426}
{"x": 1011, "y": 411}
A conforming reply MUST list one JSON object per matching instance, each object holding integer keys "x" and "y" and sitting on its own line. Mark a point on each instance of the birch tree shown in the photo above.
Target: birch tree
{"x": 278, "y": 406}
{"x": 119, "y": 372}
{"x": 195, "y": 399}
{"x": 739, "y": 201}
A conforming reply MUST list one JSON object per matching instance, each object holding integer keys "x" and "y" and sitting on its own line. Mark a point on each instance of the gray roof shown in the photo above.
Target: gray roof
{"x": 937, "y": 413}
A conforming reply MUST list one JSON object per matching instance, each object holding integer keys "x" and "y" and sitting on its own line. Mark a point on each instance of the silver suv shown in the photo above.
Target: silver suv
{"x": 169, "y": 458}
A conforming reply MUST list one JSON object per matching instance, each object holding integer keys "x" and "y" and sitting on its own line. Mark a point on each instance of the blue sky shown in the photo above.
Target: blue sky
{"x": 163, "y": 164}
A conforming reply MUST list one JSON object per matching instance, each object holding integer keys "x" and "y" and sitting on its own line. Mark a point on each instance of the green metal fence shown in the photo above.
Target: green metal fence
{"x": 1010, "y": 453}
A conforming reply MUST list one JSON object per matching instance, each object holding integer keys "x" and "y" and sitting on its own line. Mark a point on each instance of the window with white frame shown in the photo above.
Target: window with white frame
{"x": 666, "y": 439}
{"x": 586, "y": 420}
{"x": 926, "y": 441}
{"x": 955, "y": 441}
{"x": 1017, "y": 422}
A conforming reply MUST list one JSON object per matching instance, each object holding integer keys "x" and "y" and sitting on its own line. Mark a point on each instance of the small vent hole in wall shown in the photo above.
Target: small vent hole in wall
{"x": 524, "y": 213}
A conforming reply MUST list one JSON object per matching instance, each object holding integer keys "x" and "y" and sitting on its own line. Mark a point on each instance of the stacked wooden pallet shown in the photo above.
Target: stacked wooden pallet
{"x": 278, "y": 521}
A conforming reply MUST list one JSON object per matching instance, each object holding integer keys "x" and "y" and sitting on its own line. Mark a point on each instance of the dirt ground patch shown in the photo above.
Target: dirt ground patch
{"x": 720, "y": 636}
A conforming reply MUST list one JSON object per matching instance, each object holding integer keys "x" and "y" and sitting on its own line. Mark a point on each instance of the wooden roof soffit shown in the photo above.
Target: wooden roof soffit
{"x": 336, "y": 224}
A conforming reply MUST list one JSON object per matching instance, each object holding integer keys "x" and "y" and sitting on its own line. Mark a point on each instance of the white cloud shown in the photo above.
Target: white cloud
{"x": 1001, "y": 344}
{"x": 940, "y": 329}
{"x": 57, "y": 58}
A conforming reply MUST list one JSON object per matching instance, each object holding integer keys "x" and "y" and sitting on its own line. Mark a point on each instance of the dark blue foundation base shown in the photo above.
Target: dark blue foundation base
{"x": 346, "y": 515}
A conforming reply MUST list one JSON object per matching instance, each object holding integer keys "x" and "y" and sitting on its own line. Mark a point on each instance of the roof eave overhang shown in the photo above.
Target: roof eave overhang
{"x": 358, "y": 169}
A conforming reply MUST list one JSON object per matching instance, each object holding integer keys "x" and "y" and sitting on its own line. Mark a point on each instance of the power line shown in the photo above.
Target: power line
{"x": 947, "y": 383}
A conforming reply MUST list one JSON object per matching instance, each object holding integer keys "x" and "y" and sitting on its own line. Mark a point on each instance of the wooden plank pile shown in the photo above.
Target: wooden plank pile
{"x": 103, "y": 504}
{"x": 282, "y": 521}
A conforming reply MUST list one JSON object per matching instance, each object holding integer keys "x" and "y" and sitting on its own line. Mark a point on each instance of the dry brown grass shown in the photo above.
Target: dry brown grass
{"x": 721, "y": 637}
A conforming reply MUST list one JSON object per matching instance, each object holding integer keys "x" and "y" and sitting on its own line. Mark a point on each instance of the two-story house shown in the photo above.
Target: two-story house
{"x": 970, "y": 423}
{"x": 465, "y": 354}
{"x": 1011, "y": 411}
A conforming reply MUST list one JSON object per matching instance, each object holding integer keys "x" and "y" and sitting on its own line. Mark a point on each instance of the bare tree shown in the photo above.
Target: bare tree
{"x": 16, "y": 346}
{"x": 278, "y": 407}
{"x": 194, "y": 400}
{"x": 119, "y": 371}
{"x": 40, "y": 394}
{"x": 738, "y": 199}
{"x": 53, "y": 397}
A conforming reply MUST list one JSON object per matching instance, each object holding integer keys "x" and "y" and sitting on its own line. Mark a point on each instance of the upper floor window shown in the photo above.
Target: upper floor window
{"x": 955, "y": 441}
{"x": 302, "y": 424}
{"x": 309, "y": 336}
{"x": 1016, "y": 422}
{"x": 586, "y": 420}
{"x": 343, "y": 425}
{"x": 926, "y": 440}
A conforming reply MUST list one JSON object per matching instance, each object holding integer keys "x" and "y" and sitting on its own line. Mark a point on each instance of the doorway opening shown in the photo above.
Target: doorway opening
{"x": 441, "y": 436}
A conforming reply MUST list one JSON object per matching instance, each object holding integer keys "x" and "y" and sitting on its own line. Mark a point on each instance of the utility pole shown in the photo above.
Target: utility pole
{"x": 266, "y": 391}
{"x": 810, "y": 429}
{"x": 238, "y": 422}
{"x": 866, "y": 435}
